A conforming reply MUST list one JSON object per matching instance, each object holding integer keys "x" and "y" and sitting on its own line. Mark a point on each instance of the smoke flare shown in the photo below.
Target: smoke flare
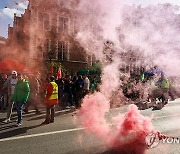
{"x": 128, "y": 131}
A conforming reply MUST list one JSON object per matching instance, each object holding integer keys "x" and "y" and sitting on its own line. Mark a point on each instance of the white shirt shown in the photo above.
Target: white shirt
{"x": 13, "y": 83}
{"x": 86, "y": 83}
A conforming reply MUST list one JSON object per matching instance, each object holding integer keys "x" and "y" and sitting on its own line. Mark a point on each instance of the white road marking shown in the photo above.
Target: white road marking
{"x": 173, "y": 115}
{"x": 63, "y": 131}
{"x": 41, "y": 134}
{"x": 65, "y": 112}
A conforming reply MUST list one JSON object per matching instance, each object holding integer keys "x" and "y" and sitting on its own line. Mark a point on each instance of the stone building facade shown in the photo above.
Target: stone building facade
{"x": 3, "y": 43}
{"x": 46, "y": 32}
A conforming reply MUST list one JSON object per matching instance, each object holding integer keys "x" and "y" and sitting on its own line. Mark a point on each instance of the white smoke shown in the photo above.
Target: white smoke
{"x": 151, "y": 32}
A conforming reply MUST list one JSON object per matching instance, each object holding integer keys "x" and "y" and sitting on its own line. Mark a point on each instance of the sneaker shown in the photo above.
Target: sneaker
{"x": 73, "y": 107}
{"x": 68, "y": 107}
{"x": 26, "y": 111}
{"x": 45, "y": 122}
{"x": 6, "y": 121}
{"x": 18, "y": 124}
{"x": 38, "y": 112}
{"x": 51, "y": 121}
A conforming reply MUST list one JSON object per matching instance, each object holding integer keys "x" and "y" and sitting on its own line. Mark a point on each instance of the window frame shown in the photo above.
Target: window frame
{"x": 65, "y": 4}
{"x": 41, "y": 44}
{"x": 63, "y": 25}
{"x": 64, "y": 49}
{"x": 43, "y": 20}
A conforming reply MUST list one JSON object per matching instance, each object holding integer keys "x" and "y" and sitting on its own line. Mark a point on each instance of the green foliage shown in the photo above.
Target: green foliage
{"x": 95, "y": 69}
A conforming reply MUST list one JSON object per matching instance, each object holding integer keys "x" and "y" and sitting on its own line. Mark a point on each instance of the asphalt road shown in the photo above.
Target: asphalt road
{"x": 67, "y": 135}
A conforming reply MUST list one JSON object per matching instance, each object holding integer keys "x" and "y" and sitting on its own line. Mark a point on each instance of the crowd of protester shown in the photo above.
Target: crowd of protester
{"x": 151, "y": 88}
{"x": 21, "y": 92}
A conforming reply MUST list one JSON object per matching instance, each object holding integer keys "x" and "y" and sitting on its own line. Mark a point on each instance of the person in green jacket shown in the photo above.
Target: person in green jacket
{"x": 21, "y": 95}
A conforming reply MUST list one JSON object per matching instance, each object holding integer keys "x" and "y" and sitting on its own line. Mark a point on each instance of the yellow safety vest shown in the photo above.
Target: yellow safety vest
{"x": 54, "y": 94}
{"x": 165, "y": 85}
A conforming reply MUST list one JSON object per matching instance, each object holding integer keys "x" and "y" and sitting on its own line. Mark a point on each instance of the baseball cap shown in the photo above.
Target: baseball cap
{"x": 14, "y": 72}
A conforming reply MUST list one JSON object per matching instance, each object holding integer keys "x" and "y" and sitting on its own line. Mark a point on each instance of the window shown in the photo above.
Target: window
{"x": 48, "y": 45}
{"x": 40, "y": 51}
{"x": 63, "y": 3}
{"x": 39, "y": 44}
{"x": 62, "y": 50}
{"x": 44, "y": 21}
{"x": 63, "y": 25}
{"x": 76, "y": 26}
{"x": 51, "y": 53}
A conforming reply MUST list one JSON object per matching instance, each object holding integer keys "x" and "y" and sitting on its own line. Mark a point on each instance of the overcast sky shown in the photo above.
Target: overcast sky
{"x": 6, "y": 14}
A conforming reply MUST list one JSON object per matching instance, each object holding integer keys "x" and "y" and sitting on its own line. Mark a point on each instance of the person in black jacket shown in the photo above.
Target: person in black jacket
{"x": 79, "y": 90}
{"x": 67, "y": 92}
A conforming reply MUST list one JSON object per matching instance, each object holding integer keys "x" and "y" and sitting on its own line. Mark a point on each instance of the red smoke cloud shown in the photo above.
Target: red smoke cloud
{"x": 127, "y": 135}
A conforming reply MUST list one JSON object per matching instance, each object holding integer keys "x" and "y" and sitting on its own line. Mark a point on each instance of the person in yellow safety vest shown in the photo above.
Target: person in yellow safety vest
{"x": 51, "y": 99}
{"x": 163, "y": 83}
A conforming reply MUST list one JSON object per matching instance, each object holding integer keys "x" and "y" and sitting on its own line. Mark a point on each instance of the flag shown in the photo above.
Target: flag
{"x": 142, "y": 76}
{"x": 59, "y": 75}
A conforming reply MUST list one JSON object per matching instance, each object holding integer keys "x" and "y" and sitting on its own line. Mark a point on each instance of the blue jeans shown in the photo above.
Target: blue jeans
{"x": 19, "y": 108}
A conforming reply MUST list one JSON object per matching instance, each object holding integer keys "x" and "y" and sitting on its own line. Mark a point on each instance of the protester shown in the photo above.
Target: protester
{"x": 3, "y": 93}
{"x": 51, "y": 99}
{"x": 20, "y": 97}
{"x": 67, "y": 92}
{"x": 42, "y": 89}
{"x": 74, "y": 88}
{"x": 86, "y": 84}
{"x": 93, "y": 84}
{"x": 60, "y": 84}
{"x": 10, "y": 85}
{"x": 164, "y": 85}
{"x": 33, "y": 97}
{"x": 79, "y": 84}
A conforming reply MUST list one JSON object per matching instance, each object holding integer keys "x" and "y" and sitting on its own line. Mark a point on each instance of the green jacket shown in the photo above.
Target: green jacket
{"x": 21, "y": 92}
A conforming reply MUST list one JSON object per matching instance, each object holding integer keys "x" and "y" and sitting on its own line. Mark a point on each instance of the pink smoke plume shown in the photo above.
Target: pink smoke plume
{"x": 150, "y": 33}
{"x": 128, "y": 131}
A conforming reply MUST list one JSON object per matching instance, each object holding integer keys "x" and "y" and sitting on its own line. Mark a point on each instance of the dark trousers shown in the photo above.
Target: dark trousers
{"x": 68, "y": 99}
{"x": 78, "y": 98}
{"x": 19, "y": 107}
{"x": 50, "y": 113}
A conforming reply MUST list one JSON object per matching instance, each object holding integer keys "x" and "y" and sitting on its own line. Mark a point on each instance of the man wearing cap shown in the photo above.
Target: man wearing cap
{"x": 10, "y": 85}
